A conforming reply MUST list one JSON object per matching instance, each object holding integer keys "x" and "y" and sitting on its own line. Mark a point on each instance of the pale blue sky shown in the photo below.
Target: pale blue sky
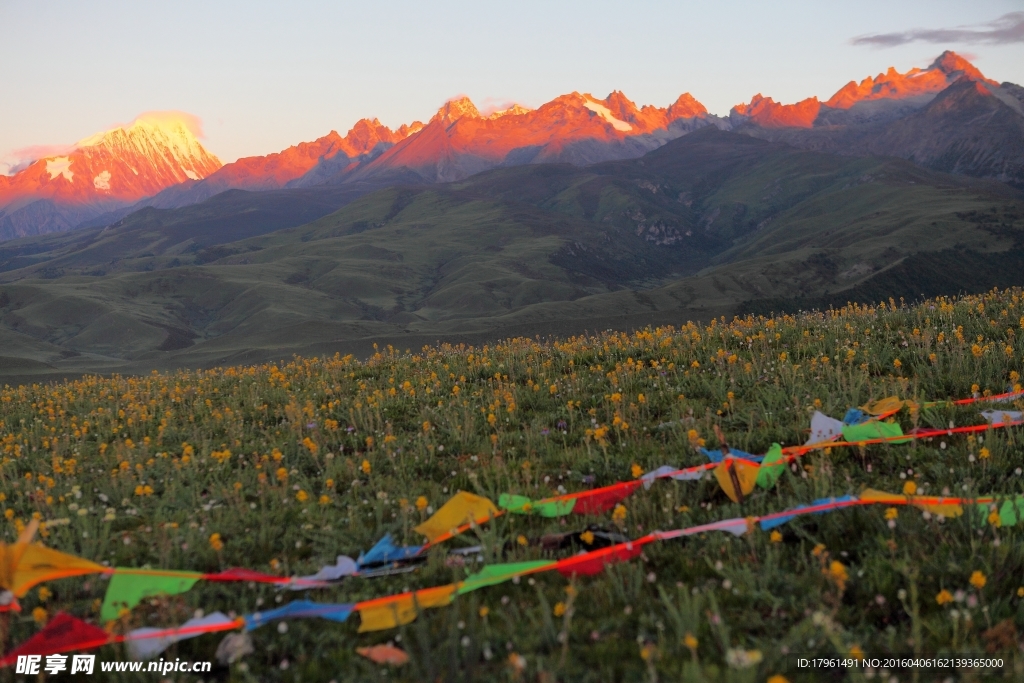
{"x": 266, "y": 75}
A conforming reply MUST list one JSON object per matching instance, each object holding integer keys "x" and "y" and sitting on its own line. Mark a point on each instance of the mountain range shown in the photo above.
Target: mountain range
{"x": 712, "y": 223}
{"x": 136, "y": 249}
{"x": 948, "y": 117}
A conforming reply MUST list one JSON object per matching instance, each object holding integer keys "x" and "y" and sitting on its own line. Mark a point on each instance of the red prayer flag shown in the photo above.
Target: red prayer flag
{"x": 604, "y": 499}
{"x": 63, "y": 633}
{"x": 242, "y": 574}
{"x": 594, "y": 562}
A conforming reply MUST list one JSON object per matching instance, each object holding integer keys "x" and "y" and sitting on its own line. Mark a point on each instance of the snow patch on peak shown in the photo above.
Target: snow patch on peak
{"x": 606, "y": 114}
{"x": 60, "y": 166}
{"x": 514, "y": 110}
{"x": 457, "y": 108}
{"x": 192, "y": 175}
{"x": 102, "y": 181}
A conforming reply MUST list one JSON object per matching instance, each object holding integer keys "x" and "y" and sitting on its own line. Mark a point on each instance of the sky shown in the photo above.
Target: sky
{"x": 262, "y": 76}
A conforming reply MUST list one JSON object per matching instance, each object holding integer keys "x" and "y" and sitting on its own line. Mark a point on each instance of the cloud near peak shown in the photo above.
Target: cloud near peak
{"x": 1008, "y": 28}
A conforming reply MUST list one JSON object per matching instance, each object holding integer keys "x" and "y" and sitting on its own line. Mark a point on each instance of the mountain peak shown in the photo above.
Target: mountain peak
{"x": 954, "y": 66}
{"x": 455, "y": 109}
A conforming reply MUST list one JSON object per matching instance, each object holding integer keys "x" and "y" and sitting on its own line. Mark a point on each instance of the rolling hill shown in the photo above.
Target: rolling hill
{"x": 710, "y": 224}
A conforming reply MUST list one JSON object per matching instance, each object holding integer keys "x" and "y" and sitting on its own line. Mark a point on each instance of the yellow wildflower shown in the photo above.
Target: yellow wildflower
{"x": 775, "y": 537}
{"x": 302, "y": 496}
{"x": 909, "y": 488}
{"x": 421, "y": 503}
{"x": 837, "y": 572}
{"x": 587, "y": 537}
{"x": 944, "y": 597}
{"x": 984, "y": 453}
{"x": 216, "y": 543}
{"x": 365, "y": 467}
{"x": 484, "y": 611}
{"x": 559, "y": 609}
{"x": 978, "y": 579}
{"x": 619, "y": 514}
{"x": 40, "y": 615}
{"x": 690, "y": 641}
{"x": 636, "y": 471}
{"x": 891, "y": 513}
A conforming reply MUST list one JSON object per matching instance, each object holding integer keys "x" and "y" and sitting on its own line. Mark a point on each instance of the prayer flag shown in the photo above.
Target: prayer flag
{"x": 524, "y": 505}
{"x": 386, "y": 551}
{"x": 128, "y": 587}
{"x": 824, "y": 428}
{"x": 604, "y": 499}
{"x": 774, "y": 521}
{"x": 39, "y": 563}
{"x": 462, "y": 508}
{"x": 594, "y": 562}
{"x": 147, "y": 643}
{"x": 384, "y": 654}
{"x": 63, "y": 634}
{"x": 390, "y": 612}
{"x": 498, "y": 573}
{"x": 736, "y": 473}
{"x": 885, "y": 405}
{"x": 716, "y": 455}
{"x": 1002, "y": 417}
{"x": 874, "y": 430}
{"x": 772, "y": 467}
{"x": 344, "y": 566}
{"x": 300, "y": 609}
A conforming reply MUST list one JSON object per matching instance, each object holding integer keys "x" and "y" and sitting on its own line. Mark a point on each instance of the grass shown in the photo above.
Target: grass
{"x": 271, "y": 458}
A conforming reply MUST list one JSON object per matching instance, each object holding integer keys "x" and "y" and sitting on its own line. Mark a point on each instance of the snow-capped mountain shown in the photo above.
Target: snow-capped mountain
{"x": 103, "y": 172}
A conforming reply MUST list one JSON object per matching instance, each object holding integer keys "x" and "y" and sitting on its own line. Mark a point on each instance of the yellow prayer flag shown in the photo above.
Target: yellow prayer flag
{"x": 883, "y": 405}
{"x": 460, "y": 509}
{"x": 941, "y": 509}
{"x": 380, "y": 615}
{"x": 930, "y": 504}
{"x": 746, "y": 475}
{"x": 873, "y": 496}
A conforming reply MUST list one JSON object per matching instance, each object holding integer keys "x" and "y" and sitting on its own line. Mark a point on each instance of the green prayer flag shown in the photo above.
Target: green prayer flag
{"x": 128, "y": 587}
{"x": 523, "y": 505}
{"x": 874, "y": 430}
{"x": 771, "y": 469}
{"x": 498, "y": 573}
{"x": 1011, "y": 512}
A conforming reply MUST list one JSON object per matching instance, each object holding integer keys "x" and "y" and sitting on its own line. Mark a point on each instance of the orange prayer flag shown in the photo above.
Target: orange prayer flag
{"x": 38, "y": 563}
{"x": 384, "y": 654}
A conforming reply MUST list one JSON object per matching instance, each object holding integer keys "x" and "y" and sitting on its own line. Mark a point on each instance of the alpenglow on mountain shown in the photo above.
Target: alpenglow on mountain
{"x": 949, "y": 117}
{"x": 103, "y": 172}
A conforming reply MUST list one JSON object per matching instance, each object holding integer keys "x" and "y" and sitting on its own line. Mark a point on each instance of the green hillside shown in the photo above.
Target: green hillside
{"x": 710, "y": 224}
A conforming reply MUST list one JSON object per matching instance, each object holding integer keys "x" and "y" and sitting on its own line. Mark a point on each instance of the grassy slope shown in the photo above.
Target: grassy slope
{"x": 758, "y": 380}
{"x": 543, "y": 249}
